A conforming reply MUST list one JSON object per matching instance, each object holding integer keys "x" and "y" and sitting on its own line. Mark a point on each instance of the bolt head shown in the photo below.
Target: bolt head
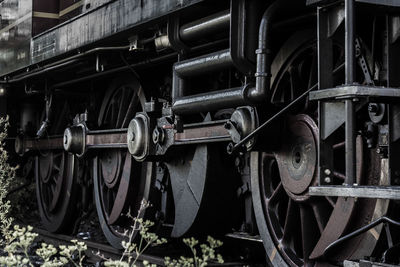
{"x": 327, "y": 172}
{"x": 327, "y": 180}
{"x": 373, "y": 108}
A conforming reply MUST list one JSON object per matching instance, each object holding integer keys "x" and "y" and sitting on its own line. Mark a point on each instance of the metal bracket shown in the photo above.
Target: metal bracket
{"x": 379, "y": 192}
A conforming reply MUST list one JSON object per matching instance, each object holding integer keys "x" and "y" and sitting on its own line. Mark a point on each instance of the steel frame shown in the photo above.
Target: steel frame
{"x": 341, "y": 102}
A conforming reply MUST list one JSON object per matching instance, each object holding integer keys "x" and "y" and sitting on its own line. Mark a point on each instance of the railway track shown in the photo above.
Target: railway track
{"x": 109, "y": 252}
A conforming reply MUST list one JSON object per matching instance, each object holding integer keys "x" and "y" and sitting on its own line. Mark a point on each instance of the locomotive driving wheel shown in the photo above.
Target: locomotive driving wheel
{"x": 56, "y": 174}
{"x": 295, "y": 227}
{"x": 120, "y": 183}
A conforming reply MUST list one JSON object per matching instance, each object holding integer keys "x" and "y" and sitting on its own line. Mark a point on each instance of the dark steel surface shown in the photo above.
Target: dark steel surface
{"x": 204, "y": 64}
{"x": 188, "y": 179}
{"x": 196, "y": 66}
{"x": 350, "y": 69}
{"x": 209, "y": 101}
{"x": 200, "y": 28}
{"x": 264, "y": 53}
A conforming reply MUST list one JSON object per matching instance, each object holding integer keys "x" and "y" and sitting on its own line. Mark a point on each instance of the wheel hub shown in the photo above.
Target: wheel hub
{"x": 297, "y": 159}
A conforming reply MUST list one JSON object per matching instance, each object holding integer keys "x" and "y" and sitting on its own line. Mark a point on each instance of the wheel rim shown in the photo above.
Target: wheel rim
{"x": 56, "y": 175}
{"x": 55, "y": 189}
{"x": 294, "y": 226}
{"x": 120, "y": 183}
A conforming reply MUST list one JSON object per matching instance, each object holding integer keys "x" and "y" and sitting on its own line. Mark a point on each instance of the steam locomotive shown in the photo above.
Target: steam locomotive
{"x": 271, "y": 120}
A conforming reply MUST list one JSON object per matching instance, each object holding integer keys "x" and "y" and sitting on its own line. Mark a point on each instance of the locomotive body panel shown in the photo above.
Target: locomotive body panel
{"x": 15, "y": 34}
{"x": 100, "y": 19}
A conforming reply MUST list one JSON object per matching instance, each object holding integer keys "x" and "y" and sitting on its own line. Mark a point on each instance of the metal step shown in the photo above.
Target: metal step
{"x": 382, "y": 192}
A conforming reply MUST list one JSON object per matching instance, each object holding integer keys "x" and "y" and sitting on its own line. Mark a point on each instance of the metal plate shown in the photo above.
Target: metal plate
{"x": 355, "y": 91}
{"x": 102, "y": 22}
{"x": 382, "y": 192}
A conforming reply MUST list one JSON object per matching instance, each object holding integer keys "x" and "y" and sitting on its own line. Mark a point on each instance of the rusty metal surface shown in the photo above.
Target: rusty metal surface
{"x": 50, "y": 143}
{"x": 202, "y": 133}
{"x": 297, "y": 159}
{"x": 106, "y": 140}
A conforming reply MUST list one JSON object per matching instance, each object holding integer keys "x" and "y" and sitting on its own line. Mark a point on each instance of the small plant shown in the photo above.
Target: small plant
{"x": 7, "y": 174}
{"x": 133, "y": 250}
{"x": 206, "y": 256}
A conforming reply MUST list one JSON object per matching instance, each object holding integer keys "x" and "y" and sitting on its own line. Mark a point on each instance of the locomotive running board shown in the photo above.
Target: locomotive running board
{"x": 378, "y": 192}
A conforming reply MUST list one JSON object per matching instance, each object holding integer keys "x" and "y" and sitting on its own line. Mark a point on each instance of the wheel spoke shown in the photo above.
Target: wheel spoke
{"x": 321, "y": 211}
{"x": 275, "y": 194}
{"x": 122, "y": 107}
{"x": 339, "y": 145}
{"x": 308, "y": 234}
{"x": 313, "y": 71}
{"x": 331, "y": 201}
{"x": 339, "y": 175}
{"x": 290, "y": 221}
{"x": 132, "y": 108}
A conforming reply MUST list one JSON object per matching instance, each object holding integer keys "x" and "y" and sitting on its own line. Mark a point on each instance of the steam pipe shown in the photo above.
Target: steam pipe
{"x": 210, "y": 101}
{"x": 205, "y": 26}
{"x": 197, "y": 66}
{"x": 264, "y": 54}
{"x": 219, "y": 99}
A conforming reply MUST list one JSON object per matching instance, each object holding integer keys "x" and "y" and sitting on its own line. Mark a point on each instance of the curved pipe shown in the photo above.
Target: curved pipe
{"x": 264, "y": 54}
{"x": 235, "y": 96}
